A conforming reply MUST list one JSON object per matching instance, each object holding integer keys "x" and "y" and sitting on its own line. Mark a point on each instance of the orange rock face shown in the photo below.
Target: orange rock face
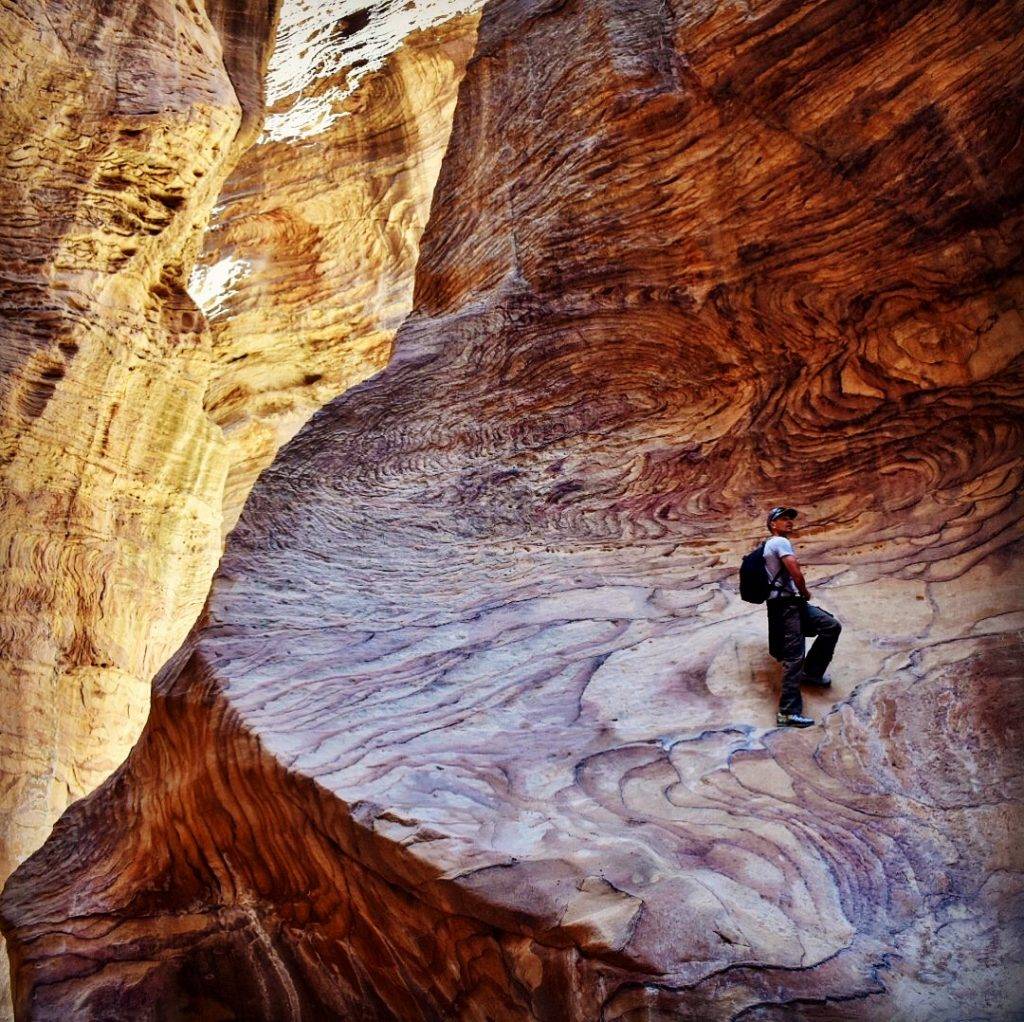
{"x": 117, "y": 132}
{"x": 474, "y": 725}
{"x": 134, "y": 426}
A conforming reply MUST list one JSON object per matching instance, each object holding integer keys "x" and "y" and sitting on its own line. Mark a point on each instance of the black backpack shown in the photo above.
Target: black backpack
{"x": 754, "y": 582}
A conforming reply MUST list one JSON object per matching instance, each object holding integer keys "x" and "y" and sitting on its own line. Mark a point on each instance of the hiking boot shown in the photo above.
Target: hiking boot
{"x": 793, "y": 720}
{"x": 809, "y": 679}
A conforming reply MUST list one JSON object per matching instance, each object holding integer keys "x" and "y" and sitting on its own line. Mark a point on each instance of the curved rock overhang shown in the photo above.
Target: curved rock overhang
{"x": 474, "y": 724}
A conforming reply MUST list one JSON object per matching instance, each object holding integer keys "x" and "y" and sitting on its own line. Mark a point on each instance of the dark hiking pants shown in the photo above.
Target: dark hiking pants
{"x": 789, "y": 621}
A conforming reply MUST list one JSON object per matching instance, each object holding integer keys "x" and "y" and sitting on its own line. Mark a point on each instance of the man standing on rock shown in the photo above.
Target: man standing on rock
{"x": 790, "y": 618}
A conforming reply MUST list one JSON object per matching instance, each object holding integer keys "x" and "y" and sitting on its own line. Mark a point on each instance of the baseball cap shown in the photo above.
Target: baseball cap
{"x": 781, "y": 512}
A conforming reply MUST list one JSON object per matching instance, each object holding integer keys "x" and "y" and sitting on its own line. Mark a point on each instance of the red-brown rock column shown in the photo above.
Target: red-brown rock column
{"x": 475, "y": 725}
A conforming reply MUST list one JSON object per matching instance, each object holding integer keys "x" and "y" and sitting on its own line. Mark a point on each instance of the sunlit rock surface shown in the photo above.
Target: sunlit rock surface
{"x": 474, "y": 725}
{"x": 117, "y": 130}
{"x": 308, "y": 265}
{"x": 132, "y": 428}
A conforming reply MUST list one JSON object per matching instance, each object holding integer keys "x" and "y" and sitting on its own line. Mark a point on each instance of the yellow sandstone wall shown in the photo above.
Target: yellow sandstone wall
{"x": 118, "y": 130}
{"x": 119, "y": 126}
{"x": 133, "y": 421}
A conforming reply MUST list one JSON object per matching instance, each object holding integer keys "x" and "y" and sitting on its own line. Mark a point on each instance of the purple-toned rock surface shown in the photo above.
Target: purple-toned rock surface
{"x": 475, "y": 725}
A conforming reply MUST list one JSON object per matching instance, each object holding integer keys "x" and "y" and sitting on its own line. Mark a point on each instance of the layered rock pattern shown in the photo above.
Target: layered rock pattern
{"x": 117, "y": 131}
{"x": 474, "y": 725}
{"x": 307, "y": 268}
{"x": 133, "y": 426}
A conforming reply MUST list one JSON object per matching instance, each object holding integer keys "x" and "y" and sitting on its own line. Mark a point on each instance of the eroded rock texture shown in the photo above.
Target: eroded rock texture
{"x": 119, "y": 125}
{"x": 308, "y": 265}
{"x": 133, "y": 426}
{"x": 474, "y": 725}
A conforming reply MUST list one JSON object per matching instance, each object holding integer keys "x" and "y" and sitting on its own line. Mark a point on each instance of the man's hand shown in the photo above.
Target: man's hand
{"x": 793, "y": 567}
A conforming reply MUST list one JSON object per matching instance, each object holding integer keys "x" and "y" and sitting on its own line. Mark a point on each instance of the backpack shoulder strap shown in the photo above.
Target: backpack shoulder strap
{"x": 778, "y": 575}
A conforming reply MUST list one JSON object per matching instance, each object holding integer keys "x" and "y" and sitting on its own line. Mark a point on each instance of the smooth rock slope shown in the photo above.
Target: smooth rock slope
{"x": 474, "y": 725}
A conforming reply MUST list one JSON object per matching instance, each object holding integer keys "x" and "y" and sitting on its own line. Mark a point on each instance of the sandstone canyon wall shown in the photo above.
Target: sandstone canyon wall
{"x": 133, "y": 426}
{"x": 117, "y": 131}
{"x": 307, "y": 269}
{"x": 473, "y": 724}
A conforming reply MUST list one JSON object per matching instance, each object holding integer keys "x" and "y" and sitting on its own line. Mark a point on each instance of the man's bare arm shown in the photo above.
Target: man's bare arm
{"x": 793, "y": 567}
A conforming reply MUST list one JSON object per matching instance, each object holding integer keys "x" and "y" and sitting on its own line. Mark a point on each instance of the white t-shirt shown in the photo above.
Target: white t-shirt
{"x": 774, "y": 550}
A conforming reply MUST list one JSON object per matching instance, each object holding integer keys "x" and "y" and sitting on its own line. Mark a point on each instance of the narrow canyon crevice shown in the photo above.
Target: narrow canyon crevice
{"x": 474, "y": 724}
{"x": 307, "y": 267}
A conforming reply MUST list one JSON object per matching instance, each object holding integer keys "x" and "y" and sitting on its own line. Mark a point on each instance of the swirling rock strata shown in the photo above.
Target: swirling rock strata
{"x": 474, "y": 725}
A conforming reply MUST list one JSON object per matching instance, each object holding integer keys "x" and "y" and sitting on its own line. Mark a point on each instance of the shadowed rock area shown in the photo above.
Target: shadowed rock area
{"x": 474, "y": 725}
